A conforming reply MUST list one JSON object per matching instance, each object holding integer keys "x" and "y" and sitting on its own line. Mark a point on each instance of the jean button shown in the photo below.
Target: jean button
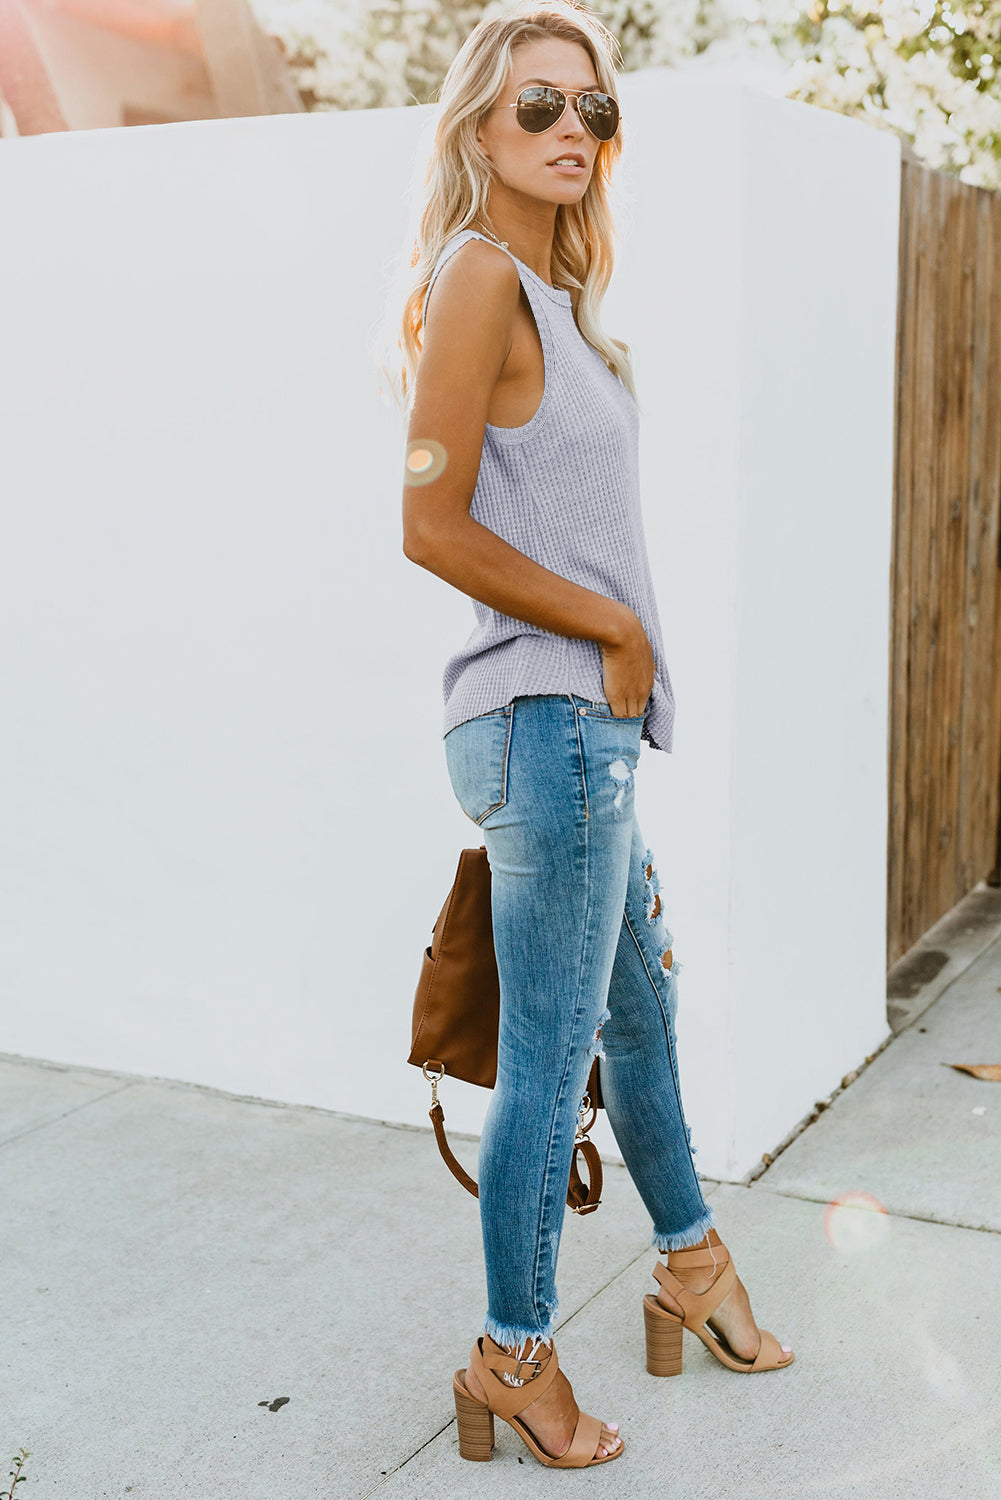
{"x": 582, "y": 710}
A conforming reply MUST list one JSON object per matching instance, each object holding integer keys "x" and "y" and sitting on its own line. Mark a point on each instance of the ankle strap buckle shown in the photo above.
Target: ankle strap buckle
{"x": 516, "y": 1373}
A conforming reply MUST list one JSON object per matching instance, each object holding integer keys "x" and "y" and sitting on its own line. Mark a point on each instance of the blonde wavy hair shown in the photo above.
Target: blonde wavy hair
{"x": 459, "y": 174}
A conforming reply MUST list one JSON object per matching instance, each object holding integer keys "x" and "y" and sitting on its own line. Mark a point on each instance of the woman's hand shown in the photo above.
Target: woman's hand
{"x": 628, "y": 668}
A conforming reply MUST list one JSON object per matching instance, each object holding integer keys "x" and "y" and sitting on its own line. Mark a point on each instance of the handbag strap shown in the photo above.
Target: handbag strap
{"x": 582, "y": 1200}
{"x": 454, "y": 1166}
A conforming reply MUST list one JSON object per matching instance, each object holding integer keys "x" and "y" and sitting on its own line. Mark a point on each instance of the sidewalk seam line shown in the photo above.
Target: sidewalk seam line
{"x": 57, "y": 1119}
{"x": 891, "y": 1213}
{"x": 391, "y": 1473}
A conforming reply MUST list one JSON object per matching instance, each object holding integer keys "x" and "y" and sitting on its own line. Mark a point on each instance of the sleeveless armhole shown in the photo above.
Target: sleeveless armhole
{"x": 527, "y": 429}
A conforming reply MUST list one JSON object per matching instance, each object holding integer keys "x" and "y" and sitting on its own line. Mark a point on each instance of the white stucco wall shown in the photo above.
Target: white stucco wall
{"x": 225, "y": 820}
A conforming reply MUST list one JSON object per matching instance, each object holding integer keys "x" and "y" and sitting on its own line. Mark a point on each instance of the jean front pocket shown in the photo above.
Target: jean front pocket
{"x": 596, "y": 710}
{"x": 476, "y": 754}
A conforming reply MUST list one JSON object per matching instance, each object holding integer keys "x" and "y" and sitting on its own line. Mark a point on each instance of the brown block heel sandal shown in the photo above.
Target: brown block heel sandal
{"x": 664, "y": 1326}
{"x": 476, "y": 1419}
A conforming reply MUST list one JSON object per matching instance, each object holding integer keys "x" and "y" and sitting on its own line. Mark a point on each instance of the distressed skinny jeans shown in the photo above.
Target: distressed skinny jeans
{"x": 581, "y": 942}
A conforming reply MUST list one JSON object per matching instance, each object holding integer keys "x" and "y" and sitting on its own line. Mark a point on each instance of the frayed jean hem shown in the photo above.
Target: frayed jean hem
{"x": 687, "y": 1237}
{"x": 512, "y": 1338}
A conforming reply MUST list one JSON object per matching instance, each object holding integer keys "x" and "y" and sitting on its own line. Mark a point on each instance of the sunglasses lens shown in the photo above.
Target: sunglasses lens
{"x": 538, "y": 108}
{"x": 600, "y": 114}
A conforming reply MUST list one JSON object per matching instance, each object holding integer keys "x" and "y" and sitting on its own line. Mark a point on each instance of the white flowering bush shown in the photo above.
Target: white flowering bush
{"x": 370, "y": 56}
{"x": 927, "y": 69}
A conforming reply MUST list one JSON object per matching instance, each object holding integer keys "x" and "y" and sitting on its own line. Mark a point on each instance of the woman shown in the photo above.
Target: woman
{"x": 522, "y": 491}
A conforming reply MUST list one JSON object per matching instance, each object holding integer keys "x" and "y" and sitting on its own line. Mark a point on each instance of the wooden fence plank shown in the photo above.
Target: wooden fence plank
{"x": 944, "y": 762}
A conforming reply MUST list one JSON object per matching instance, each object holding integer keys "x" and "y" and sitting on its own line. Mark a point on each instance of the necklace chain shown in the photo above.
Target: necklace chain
{"x": 503, "y": 243}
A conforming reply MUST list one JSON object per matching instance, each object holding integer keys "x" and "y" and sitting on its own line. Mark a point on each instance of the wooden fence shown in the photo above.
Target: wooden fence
{"x": 945, "y": 650}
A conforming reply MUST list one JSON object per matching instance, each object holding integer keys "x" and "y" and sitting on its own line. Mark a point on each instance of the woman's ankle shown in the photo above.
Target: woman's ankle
{"x": 534, "y": 1347}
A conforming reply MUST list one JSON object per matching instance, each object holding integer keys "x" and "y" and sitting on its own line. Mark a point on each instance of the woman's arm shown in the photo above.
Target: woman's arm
{"x": 460, "y": 363}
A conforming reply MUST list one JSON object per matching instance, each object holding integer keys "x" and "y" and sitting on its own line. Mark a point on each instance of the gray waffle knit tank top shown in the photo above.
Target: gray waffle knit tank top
{"x": 564, "y": 489}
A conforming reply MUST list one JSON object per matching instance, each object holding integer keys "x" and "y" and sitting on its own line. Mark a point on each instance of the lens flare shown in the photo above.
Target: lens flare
{"x": 426, "y": 460}
{"x": 855, "y": 1222}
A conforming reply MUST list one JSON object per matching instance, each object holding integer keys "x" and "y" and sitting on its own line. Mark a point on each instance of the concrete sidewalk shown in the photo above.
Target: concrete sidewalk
{"x": 176, "y": 1261}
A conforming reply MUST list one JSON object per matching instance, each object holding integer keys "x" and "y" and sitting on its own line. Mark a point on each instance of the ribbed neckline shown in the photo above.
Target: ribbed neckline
{"x": 558, "y": 293}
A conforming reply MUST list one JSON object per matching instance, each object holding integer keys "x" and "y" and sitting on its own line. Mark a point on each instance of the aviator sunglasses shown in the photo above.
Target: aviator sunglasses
{"x": 540, "y": 106}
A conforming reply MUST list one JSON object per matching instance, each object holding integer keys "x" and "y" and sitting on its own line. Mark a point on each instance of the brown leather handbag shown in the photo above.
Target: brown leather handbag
{"x": 456, "y": 1016}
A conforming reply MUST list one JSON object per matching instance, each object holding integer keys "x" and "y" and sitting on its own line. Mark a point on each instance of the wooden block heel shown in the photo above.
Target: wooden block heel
{"x": 476, "y": 1427}
{"x": 663, "y": 1338}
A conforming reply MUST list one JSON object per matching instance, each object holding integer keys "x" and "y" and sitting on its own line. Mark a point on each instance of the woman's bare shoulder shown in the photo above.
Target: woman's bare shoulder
{"x": 478, "y": 277}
